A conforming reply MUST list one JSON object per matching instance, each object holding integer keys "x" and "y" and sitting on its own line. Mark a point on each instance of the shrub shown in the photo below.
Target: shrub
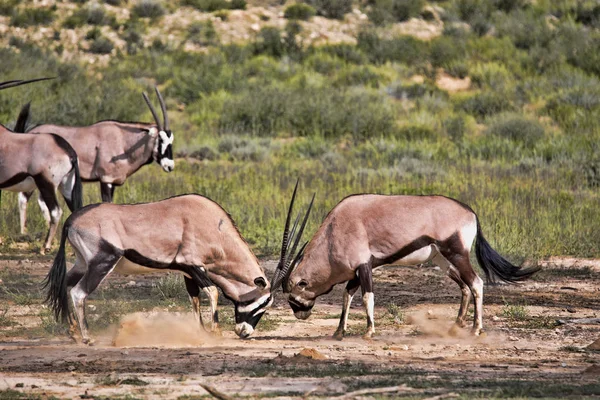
{"x": 335, "y": 9}
{"x": 445, "y": 50}
{"x": 457, "y": 69}
{"x": 101, "y": 45}
{"x": 404, "y": 49}
{"x": 148, "y": 9}
{"x": 346, "y": 52}
{"x": 323, "y": 63}
{"x": 114, "y": 2}
{"x": 492, "y": 75}
{"x": 269, "y": 42}
{"x": 8, "y": 6}
{"x": 484, "y": 104}
{"x": 215, "y": 5}
{"x": 90, "y": 15}
{"x": 516, "y": 128}
{"x": 526, "y": 28}
{"x": 32, "y": 16}
{"x": 300, "y": 11}
{"x": 202, "y": 33}
{"x": 384, "y": 11}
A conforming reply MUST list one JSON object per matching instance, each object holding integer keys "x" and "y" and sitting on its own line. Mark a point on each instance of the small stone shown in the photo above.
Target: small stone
{"x": 389, "y": 353}
{"x": 495, "y": 318}
{"x": 71, "y": 368}
{"x": 513, "y": 338}
{"x": 563, "y": 364}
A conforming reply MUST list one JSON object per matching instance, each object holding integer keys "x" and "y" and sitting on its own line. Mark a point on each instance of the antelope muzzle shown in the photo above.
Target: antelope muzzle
{"x": 301, "y": 308}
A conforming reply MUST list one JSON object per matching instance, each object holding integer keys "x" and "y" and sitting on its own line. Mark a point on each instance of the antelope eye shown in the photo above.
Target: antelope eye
{"x": 302, "y": 284}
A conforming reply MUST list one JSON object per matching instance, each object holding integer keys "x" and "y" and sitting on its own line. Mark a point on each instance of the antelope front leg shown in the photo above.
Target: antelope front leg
{"x": 213, "y": 295}
{"x": 351, "y": 288}
{"x": 365, "y": 274}
{"x": 194, "y": 294}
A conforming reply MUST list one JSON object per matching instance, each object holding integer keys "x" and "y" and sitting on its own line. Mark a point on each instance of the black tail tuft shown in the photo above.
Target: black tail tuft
{"x": 77, "y": 193}
{"x": 21, "y": 123}
{"x": 495, "y": 266}
{"x": 56, "y": 281}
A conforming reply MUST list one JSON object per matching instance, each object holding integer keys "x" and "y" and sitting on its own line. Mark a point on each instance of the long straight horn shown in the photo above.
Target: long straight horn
{"x": 163, "y": 107}
{"x": 292, "y": 258}
{"x": 13, "y": 83}
{"x": 152, "y": 110}
{"x": 286, "y": 238}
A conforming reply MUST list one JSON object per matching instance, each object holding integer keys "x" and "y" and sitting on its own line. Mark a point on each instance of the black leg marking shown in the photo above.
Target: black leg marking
{"x": 106, "y": 191}
{"x": 191, "y": 286}
{"x": 365, "y": 274}
{"x": 351, "y": 288}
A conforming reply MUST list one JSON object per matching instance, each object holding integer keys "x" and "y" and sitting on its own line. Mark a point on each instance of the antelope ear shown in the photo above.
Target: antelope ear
{"x": 153, "y": 132}
{"x": 260, "y": 282}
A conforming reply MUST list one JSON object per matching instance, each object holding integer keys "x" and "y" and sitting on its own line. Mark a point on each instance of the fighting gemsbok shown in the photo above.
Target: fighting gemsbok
{"x": 110, "y": 151}
{"x": 189, "y": 234}
{"x": 367, "y": 231}
{"x": 46, "y": 162}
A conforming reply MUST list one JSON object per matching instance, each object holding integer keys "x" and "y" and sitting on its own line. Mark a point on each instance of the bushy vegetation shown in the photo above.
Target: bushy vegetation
{"x": 152, "y": 9}
{"x": 23, "y": 17}
{"x": 520, "y": 145}
{"x": 299, "y": 11}
{"x": 331, "y": 8}
{"x": 215, "y": 5}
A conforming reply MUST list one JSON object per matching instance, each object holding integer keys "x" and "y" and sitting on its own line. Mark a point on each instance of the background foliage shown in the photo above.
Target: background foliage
{"x": 521, "y": 145}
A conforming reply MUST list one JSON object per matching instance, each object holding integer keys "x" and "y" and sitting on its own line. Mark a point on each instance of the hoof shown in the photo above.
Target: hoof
{"x": 460, "y": 323}
{"x": 43, "y": 251}
{"x": 338, "y": 335}
{"x": 89, "y": 342}
{"x": 217, "y": 332}
{"x": 368, "y": 336}
{"x": 477, "y": 332}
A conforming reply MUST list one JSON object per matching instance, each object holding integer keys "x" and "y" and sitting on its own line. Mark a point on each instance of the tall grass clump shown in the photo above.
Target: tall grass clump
{"x": 93, "y": 14}
{"x": 215, "y": 5}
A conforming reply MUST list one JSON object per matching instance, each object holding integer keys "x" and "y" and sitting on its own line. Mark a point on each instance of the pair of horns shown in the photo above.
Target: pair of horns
{"x": 165, "y": 126}
{"x": 18, "y": 82}
{"x": 289, "y": 258}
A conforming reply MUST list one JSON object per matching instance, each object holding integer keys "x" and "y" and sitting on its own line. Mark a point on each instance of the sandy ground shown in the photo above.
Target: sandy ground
{"x": 164, "y": 355}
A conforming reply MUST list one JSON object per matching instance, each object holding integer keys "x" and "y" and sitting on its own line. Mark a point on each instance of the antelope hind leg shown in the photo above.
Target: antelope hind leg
{"x": 365, "y": 274}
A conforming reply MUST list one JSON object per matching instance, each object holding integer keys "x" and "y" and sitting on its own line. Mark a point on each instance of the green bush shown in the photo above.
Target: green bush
{"x": 385, "y": 11}
{"x": 269, "y": 42}
{"x": 32, "y": 16}
{"x": 516, "y": 128}
{"x": 8, "y": 6}
{"x": 89, "y": 15}
{"x": 202, "y": 33}
{"x": 152, "y": 9}
{"x": 335, "y": 9}
{"x": 404, "y": 49}
{"x": 494, "y": 76}
{"x": 446, "y": 50}
{"x": 300, "y": 11}
{"x": 101, "y": 45}
{"x": 526, "y": 28}
{"x": 484, "y": 104}
{"x": 346, "y": 52}
{"x": 215, "y": 5}
{"x": 458, "y": 69}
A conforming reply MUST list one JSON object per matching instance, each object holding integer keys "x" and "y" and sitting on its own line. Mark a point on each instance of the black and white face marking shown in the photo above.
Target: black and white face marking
{"x": 301, "y": 308}
{"x": 163, "y": 149}
{"x": 247, "y": 315}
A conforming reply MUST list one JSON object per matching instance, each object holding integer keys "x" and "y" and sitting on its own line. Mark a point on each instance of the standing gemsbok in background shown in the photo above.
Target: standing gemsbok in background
{"x": 110, "y": 151}
{"x": 189, "y": 234}
{"x": 364, "y": 232}
{"x": 46, "y": 162}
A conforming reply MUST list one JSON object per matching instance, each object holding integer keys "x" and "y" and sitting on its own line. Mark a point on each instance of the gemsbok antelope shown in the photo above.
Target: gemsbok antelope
{"x": 367, "y": 231}
{"x": 46, "y": 162}
{"x": 111, "y": 151}
{"x": 190, "y": 234}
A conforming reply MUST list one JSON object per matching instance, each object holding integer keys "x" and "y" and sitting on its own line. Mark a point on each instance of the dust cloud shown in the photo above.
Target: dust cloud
{"x": 161, "y": 329}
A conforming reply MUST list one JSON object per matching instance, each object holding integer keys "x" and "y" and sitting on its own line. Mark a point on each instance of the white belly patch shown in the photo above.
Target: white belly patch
{"x": 420, "y": 256}
{"x": 126, "y": 267}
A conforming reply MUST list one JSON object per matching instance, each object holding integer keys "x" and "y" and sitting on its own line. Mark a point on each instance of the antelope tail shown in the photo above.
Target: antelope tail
{"x": 21, "y": 124}
{"x": 56, "y": 281}
{"x": 496, "y": 266}
{"x": 77, "y": 193}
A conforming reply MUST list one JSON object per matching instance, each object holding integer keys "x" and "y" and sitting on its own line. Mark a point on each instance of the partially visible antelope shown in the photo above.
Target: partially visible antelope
{"x": 190, "y": 234}
{"x": 46, "y": 162}
{"x": 111, "y": 151}
{"x": 364, "y": 232}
